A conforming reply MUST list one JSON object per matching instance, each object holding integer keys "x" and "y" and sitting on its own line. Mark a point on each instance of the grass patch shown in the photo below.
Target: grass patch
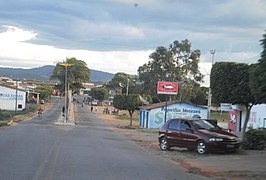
{"x": 220, "y": 117}
{"x": 125, "y": 116}
{"x": 4, "y": 123}
{"x": 154, "y": 131}
{"x": 9, "y": 115}
{"x": 6, "y": 115}
{"x": 127, "y": 127}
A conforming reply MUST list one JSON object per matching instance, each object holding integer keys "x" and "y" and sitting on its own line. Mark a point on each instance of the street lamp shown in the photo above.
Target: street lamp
{"x": 16, "y": 103}
{"x": 127, "y": 85}
{"x": 66, "y": 89}
{"x": 210, "y": 92}
{"x": 167, "y": 75}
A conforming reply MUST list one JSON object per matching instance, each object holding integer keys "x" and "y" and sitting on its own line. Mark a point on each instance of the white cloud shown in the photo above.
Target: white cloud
{"x": 24, "y": 54}
{"x": 14, "y": 34}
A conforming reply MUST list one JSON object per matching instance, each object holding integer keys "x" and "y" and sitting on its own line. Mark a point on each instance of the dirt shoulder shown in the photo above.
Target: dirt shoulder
{"x": 240, "y": 165}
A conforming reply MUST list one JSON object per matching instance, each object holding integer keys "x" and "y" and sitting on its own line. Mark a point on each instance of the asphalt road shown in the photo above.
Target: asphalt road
{"x": 39, "y": 150}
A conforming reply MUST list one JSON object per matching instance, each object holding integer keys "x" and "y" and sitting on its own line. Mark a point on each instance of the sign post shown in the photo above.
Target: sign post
{"x": 167, "y": 88}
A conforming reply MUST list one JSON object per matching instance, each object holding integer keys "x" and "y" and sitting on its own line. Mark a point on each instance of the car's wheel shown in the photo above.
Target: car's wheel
{"x": 164, "y": 145}
{"x": 201, "y": 147}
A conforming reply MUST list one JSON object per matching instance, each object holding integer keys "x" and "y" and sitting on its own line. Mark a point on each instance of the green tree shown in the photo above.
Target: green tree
{"x": 77, "y": 73}
{"x": 99, "y": 93}
{"x": 230, "y": 84}
{"x": 178, "y": 63}
{"x": 258, "y": 75}
{"x": 199, "y": 95}
{"x": 45, "y": 91}
{"x": 129, "y": 102}
{"x": 122, "y": 81}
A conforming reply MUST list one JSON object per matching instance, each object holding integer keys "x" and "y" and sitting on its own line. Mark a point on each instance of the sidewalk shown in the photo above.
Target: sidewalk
{"x": 70, "y": 118}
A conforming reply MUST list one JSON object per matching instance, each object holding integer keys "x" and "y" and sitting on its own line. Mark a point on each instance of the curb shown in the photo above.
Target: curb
{"x": 10, "y": 122}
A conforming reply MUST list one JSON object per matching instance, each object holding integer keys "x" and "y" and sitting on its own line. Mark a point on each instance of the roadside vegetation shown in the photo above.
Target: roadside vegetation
{"x": 255, "y": 139}
{"x": 7, "y": 116}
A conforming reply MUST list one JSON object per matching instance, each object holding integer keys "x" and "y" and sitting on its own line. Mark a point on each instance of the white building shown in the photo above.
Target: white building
{"x": 12, "y": 98}
{"x": 258, "y": 116}
{"x": 237, "y": 117}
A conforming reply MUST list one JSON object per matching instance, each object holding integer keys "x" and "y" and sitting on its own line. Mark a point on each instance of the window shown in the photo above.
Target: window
{"x": 173, "y": 124}
{"x": 202, "y": 124}
{"x": 184, "y": 126}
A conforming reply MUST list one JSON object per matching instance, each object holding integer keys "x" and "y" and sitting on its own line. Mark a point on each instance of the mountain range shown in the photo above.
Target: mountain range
{"x": 43, "y": 74}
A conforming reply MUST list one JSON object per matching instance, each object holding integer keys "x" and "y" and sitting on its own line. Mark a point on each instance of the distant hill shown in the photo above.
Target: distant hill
{"x": 43, "y": 73}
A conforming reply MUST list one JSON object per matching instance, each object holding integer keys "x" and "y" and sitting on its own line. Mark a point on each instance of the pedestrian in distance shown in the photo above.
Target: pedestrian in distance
{"x": 40, "y": 111}
{"x": 63, "y": 111}
{"x": 91, "y": 108}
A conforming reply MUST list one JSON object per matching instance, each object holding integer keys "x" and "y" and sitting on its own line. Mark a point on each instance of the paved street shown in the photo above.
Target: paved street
{"x": 39, "y": 149}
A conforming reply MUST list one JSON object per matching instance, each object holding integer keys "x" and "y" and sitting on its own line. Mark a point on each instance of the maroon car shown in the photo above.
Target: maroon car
{"x": 196, "y": 134}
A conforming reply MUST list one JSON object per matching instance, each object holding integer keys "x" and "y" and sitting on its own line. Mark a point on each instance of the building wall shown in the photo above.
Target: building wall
{"x": 258, "y": 116}
{"x": 8, "y": 99}
{"x": 156, "y": 116}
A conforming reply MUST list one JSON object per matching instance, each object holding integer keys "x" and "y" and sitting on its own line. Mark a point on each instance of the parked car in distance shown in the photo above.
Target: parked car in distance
{"x": 94, "y": 102}
{"x": 196, "y": 134}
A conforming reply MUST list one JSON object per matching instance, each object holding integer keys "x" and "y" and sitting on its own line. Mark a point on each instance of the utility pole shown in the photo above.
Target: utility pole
{"x": 210, "y": 92}
{"x": 16, "y": 103}
{"x": 127, "y": 85}
{"x": 66, "y": 90}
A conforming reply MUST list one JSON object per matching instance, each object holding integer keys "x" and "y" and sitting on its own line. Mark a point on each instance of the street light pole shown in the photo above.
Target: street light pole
{"x": 210, "y": 92}
{"x": 66, "y": 104}
{"x": 16, "y": 103}
{"x": 127, "y": 85}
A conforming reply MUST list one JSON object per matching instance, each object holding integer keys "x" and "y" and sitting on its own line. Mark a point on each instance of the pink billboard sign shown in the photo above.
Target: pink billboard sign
{"x": 167, "y": 88}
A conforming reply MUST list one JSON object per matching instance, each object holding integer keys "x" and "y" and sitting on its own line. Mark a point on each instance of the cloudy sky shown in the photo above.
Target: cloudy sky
{"x": 119, "y": 35}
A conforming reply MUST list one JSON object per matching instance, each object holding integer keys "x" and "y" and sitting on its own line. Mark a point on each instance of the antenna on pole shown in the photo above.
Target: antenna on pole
{"x": 210, "y": 92}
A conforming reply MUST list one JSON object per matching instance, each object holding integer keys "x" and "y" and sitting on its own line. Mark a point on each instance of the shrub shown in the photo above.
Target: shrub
{"x": 6, "y": 115}
{"x": 255, "y": 140}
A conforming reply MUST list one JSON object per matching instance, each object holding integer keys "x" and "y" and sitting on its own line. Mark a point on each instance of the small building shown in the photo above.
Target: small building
{"x": 86, "y": 88}
{"x": 12, "y": 98}
{"x": 154, "y": 115}
{"x": 257, "y": 116}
